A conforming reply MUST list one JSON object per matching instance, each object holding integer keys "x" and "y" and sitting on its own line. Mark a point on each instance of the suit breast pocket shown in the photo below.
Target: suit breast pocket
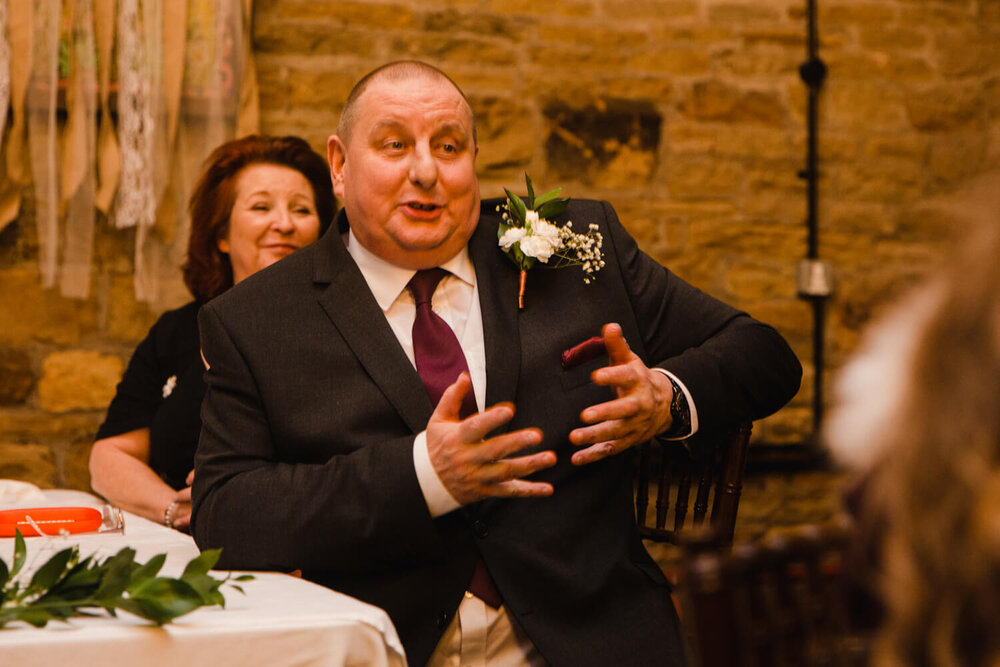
{"x": 577, "y": 376}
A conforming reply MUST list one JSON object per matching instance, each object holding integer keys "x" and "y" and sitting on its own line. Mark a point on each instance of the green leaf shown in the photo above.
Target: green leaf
{"x": 523, "y": 261}
{"x": 244, "y": 577}
{"x": 36, "y": 617}
{"x": 203, "y": 563}
{"x": 20, "y": 552}
{"x": 162, "y": 599}
{"x": 117, "y": 572}
{"x": 501, "y": 230}
{"x": 49, "y": 573}
{"x": 552, "y": 208}
{"x": 548, "y": 196}
{"x": 65, "y": 587}
{"x": 80, "y": 582}
{"x": 531, "y": 192}
{"x": 147, "y": 571}
{"x": 207, "y": 588}
{"x": 516, "y": 207}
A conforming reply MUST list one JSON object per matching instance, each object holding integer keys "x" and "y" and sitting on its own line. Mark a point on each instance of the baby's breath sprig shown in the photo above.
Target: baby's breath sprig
{"x": 527, "y": 236}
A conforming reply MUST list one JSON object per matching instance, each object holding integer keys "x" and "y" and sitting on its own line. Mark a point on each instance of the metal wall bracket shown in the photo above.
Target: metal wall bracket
{"x": 814, "y": 278}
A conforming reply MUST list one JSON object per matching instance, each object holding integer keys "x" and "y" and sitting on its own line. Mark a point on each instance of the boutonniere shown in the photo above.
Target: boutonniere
{"x": 527, "y": 237}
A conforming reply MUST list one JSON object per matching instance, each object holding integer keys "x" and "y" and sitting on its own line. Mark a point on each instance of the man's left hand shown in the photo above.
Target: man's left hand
{"x": 640, "y": 410}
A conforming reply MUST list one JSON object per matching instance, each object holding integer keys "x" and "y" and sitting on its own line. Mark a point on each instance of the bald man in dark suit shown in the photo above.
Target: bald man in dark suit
{"x": 322, "y": 451}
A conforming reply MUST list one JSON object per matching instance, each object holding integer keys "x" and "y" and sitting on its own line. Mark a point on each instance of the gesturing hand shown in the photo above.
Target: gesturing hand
{"x": 473, "y": 467}
{"x": 640, "y": 410}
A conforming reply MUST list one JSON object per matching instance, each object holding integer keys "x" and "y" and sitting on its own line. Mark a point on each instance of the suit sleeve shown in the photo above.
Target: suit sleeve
{"x": 735, "y": 367}
{"x": 352, "y": 512}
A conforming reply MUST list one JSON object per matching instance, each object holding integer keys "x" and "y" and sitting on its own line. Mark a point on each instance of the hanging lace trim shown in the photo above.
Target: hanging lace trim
{"x": 136, "y": 203}
{"x": 4, "y": 69}
{"x": 79, "y": 152}
{"x": 41, "y": 104}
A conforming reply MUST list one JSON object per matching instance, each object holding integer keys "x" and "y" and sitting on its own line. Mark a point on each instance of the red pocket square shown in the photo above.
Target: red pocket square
{"x": 584, "y": 352}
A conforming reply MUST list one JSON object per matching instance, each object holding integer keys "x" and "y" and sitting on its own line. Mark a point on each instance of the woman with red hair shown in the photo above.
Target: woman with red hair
{"x": 259, "y": 199}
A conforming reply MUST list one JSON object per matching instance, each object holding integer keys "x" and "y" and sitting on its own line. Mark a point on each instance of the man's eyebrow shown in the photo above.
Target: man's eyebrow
{"x": 386, "y": 124}
{"x": 453, "y": 128}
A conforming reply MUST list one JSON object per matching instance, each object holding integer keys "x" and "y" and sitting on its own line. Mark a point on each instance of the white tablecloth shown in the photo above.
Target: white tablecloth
{"x": 282, "y": 620}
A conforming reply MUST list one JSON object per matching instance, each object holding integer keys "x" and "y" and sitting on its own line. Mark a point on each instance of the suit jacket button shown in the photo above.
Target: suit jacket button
{"x": 479, "y": 528}
{"x": 442, "y": 619}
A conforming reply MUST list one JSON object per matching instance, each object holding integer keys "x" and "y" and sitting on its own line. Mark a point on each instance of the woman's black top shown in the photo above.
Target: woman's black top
{"x": 162, "y": 390}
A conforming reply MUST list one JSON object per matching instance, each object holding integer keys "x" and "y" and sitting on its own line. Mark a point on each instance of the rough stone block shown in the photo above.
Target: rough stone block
{"x": 311, "y": 38}
{"x": 657, "y": 88}
{"x": 759, "y": 61}
{"x": 453, "y": 50}
{"x": 677, "y": 62}
{"x": 76, "y": 474}
{"x": 312, "y": 85}
{"x": 507, "y": 135}
{"x": 30, "y": 313}
{"x": 883, "y": 37}
{"x": 698, "y": 177}
{"x": 452, "y": 20}
{"x": 338, "y": 13}
{"x": 956, "y": 156}
{"x": 862, "y": 106}
{"x": 742, "y": 13}
{"x": 567, "y": 8}
{"x": 749, "y": 280}
{"x": 617, "y": 140}
{"x": 16, "y": 376}
{"x": 652, "y": 11}
{"x": 31, "y": 425}
{"x": 27, "y": 463}
{"x": 78, "y": 379}
{"x": 128, "y": 319}
{"x": 719, "y": 101}
{"x": 860, "y": 13}
{"x": 945, "y": 106}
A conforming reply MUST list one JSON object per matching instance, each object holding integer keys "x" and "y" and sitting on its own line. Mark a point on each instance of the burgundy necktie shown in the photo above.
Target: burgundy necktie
{"x": 436, "y": 350}
{"x": 440, "y": 360}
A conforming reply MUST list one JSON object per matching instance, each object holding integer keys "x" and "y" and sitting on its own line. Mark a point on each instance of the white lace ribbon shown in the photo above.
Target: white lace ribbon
{"x": 79, "y": 180}
{"x": 4, "y": 69}
{"x": 136, "y": 202}
{"x": 42, "y": 139}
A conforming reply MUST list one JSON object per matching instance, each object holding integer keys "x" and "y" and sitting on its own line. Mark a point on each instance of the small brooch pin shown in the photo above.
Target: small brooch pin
{"x": 168, "y": 386}
{"x": 527, "y": 237}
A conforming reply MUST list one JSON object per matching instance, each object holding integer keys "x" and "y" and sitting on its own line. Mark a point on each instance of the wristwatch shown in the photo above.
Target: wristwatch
{"x": 680, "y": 412}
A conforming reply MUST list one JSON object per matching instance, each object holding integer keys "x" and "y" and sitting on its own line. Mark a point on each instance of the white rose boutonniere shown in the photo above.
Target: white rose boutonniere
{"x": 527, "y": 237}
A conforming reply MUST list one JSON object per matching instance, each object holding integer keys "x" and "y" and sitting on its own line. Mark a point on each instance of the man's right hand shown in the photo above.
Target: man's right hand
{"x": 473, "y": 467}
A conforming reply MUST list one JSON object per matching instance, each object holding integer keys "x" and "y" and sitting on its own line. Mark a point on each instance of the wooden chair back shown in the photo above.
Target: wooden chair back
{"x": 772, "y": 604}
{"x": 667, "y": 473}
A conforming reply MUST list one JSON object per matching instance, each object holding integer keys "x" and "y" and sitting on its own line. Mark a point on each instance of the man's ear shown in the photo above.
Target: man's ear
{"x": 336, "y": 155}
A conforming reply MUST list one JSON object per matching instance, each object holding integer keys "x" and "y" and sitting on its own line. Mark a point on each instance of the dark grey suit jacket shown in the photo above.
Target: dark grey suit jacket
{"x": 305, "y": 459}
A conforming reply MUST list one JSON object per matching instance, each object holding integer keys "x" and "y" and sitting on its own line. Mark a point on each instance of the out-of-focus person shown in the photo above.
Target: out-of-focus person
{"x": 917, "y": 415}
{"x": 259, "y": 199}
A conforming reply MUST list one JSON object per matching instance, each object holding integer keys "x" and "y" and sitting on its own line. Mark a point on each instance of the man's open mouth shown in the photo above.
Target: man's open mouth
{"x": 422, "y": 207}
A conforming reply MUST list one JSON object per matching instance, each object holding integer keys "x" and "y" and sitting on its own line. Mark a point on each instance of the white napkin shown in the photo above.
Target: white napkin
{"x": 15, "y": 493}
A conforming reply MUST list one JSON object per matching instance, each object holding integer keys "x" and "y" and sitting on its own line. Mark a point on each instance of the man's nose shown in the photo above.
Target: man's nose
{"x": 423, "y": 168}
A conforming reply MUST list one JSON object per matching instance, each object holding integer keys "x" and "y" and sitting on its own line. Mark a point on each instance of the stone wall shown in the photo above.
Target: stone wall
{"x": 688, "y": 115}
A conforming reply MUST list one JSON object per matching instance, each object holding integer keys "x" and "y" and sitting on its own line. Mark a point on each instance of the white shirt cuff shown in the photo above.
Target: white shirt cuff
{"x": 691, "y": 406}
{"x": 439, "y": 500}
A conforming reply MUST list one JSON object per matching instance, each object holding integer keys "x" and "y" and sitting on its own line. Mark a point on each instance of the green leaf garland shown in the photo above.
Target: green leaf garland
{"x": 66, "y": 586}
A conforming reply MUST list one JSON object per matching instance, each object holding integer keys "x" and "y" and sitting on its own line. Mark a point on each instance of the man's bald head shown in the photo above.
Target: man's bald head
{"x": 400, "y": 70}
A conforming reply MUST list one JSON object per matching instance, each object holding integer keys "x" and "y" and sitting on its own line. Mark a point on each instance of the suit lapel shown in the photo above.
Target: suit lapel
{"x": 497, "y": 279}
{"x": 352, "y": 309}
